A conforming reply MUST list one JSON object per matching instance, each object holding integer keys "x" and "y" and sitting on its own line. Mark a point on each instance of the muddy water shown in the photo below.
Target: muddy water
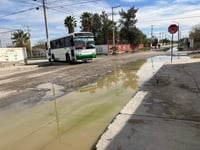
{"x": 76, "y": 120}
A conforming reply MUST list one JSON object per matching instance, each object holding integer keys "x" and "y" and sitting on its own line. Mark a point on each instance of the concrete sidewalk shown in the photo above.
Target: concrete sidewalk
{"x": 163, "y": 115}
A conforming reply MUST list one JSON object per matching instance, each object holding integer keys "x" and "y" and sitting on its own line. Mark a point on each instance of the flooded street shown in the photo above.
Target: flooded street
{"x": 76, "y": 120}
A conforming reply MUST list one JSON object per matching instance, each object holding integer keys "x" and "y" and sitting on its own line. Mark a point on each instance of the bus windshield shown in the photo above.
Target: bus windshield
{"x": 84, "y": 42}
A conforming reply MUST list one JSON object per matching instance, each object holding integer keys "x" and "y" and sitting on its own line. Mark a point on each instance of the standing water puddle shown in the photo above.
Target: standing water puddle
{"x": 76, "y": 120}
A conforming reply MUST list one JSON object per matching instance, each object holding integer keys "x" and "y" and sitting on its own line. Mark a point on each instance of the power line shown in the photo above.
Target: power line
{"x": 21, "y": 11}
{"x": 52, "y": 2}
{"x": 25, "y": 2}
{"x": 74, "y": 10}
{"x": 64, "y": 11}
{"x": 7, "y": 31}
{"x": 53, "y": 7}
{"x": 7, "y": 28}
{"x": 156, "y": 20}
{"x": 78, "y": 3}
{"x": 63, "y": 3}
{"x": 70, "y": 10}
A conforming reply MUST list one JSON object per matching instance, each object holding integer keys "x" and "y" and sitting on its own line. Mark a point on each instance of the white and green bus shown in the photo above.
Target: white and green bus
{"x": 79, "y": 46}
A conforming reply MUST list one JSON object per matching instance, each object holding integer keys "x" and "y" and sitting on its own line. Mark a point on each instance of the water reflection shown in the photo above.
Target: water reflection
{"x": 56, "y": 111}
{"x": 174, "y": 49}
{"x": 124, "y": 76}
{"x": 131, "y": 75}
{"x": 152, "y": 65}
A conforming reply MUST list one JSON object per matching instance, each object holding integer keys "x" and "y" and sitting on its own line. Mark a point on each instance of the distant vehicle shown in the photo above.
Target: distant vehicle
{"x": 79, "y": 46}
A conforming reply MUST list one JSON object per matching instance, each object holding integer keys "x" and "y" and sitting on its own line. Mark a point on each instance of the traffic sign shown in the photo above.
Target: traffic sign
{"x": 173, "y": 28}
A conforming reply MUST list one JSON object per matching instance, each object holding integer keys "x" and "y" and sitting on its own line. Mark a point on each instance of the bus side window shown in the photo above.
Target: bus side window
{"x": 67, "y": 42}
{"x": 53, "y": 44}
{"x": 61, "y": 43}
{"x": 57, "y": 44}
{"x": 71, "y": 41}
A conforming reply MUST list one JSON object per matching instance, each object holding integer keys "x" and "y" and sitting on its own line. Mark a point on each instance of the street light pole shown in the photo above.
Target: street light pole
{"x": 178, "y": 34}
{"x": 152, "y": 26}
{"x": 113, "y": 24}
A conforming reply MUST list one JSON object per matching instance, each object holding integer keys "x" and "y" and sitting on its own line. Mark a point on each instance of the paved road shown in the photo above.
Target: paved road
{"x": 35, "y": 118}
{"x": 18, "y": 82}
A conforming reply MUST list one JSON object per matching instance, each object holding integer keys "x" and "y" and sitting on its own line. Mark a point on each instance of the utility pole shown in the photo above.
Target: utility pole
{"x": 113, "y": 24}
{"x": 29, "y": 36}
{"x": 160, "y": 36}
{"x": 151, "y": 34}
{"x": 152, "y": 30}
{"x": 46, "y": 28}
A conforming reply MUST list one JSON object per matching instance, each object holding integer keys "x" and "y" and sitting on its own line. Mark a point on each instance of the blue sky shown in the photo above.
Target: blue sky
{"x": 158, "y": 14}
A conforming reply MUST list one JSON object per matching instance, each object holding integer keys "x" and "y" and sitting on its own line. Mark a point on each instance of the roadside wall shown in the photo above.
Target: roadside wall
{"x": 122, "y": 48}
{"x": 13, "y": 56}
{"x": 39, "y": 52}
{"x": 102, "y": 49}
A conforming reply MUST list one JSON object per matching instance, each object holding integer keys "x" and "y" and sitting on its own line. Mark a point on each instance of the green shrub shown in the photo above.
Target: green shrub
{"x": 145, "y": 48}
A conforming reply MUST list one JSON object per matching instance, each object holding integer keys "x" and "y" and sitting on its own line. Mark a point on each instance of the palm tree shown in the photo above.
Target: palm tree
{"x": 86, "y": 21}
{"x": 70, "y": 23}
{"x": 20, "y": 38}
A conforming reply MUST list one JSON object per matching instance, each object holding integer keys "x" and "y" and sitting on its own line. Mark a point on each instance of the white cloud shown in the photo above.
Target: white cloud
{"x": 161, "y": 16}
{"x": 132, "y": 1}
{"x": 181, "y": 1}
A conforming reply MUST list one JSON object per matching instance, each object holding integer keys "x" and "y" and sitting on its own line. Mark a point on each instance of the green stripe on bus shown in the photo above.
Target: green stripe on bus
{"x": 79, "y": 57}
